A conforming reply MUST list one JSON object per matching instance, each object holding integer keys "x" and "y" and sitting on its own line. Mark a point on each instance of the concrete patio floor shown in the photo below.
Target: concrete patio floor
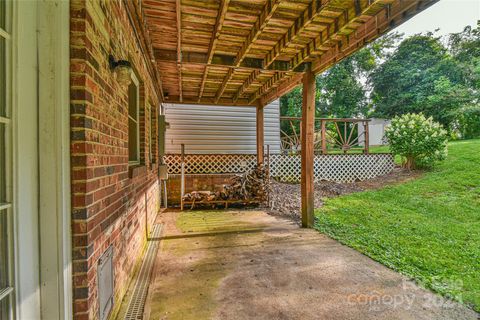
{"x": 249, "y": 265}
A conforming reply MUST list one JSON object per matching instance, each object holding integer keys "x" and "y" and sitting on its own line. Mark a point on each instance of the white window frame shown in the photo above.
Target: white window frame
{"x": 150, "y": 133}
{"x": 137, "y": 121}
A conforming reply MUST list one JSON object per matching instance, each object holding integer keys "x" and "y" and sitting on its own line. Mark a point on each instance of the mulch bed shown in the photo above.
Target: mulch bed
{"x": 285, "y": 197}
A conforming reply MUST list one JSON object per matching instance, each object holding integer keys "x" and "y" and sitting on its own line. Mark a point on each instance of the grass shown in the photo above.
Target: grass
{"x": 427, "y": 229}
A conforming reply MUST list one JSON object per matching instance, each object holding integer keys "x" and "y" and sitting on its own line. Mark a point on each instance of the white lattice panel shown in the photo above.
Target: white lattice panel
{"x": 210, "y": 163}
{"x": 287, "y": 168}
{"x": 339, "y": 168}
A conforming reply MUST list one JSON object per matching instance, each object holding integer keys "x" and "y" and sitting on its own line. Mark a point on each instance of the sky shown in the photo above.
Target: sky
{"x": 448, "y": 15}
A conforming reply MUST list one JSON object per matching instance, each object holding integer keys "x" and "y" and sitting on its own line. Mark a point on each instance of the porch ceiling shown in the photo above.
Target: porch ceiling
{"x": 234, "y": 52}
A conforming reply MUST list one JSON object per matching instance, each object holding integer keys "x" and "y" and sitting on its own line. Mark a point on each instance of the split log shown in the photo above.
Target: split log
{"x": 250, "y": 186}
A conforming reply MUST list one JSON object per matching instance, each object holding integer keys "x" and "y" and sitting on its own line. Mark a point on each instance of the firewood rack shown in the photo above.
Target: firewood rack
{"x": 225, "y": 203}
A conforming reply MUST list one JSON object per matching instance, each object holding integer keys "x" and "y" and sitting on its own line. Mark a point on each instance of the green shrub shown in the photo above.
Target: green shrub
{"x": 418, "y": 140}
{"x": 468, "y": 122}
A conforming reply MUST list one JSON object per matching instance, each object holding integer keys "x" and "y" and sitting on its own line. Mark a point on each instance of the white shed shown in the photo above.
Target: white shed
{"x": 376, "y": 132}
{"x": 219, "y": 129}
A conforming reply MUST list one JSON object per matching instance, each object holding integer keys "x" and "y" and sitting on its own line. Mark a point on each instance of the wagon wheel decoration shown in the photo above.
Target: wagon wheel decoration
{"x": 342, "y": 136}
{"x": 290, "y": 142}
{"x": 339, "y": 134}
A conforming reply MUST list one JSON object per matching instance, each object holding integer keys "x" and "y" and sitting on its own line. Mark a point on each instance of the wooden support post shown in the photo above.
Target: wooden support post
{"x": 260, "y": 133}
{"x": 324, "y": 137}
{"x": 367, "y": 137}
{"x": 308, "y": 128}
{"x": 182, "y": 178}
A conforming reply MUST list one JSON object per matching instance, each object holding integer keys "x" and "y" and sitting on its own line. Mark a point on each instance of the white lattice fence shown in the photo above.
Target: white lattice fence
{"x": 287, "y": 168}
{"x": 210, "y": 163}
{"x": 340, "y": 168}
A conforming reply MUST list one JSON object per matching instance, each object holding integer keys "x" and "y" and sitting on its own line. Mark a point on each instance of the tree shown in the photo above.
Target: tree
{"x": 465, "y": 48}
{"x": 343, "y": 91}
{"x": 340, "y": 94}
{"x": 389, "y": 77}
{"x": 421, "y": 76}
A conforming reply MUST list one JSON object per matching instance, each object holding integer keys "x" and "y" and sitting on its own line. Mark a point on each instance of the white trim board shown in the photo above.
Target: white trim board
{"x": 25, "y": 160}
{"x": 54, "y": 159}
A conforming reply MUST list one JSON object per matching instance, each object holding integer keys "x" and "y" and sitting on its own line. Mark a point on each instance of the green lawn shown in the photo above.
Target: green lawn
{"x": 428, "y": 229}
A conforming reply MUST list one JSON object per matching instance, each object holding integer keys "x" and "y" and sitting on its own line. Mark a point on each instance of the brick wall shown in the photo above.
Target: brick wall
{"x": 112, "y": 204}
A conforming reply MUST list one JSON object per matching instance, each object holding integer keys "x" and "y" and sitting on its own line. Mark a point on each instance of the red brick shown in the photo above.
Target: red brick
{"x": 108, "y": 207}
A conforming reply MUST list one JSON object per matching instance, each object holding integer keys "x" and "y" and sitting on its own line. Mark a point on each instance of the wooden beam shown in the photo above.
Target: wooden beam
{"x": 273, "y": 82}
{"x": 325, "y": 35}
{"x": 307, "y": 142}
{"x": 267, "y": 13}
{"x": 213, "y": 41}
{"x": 193, "y": 99}
{"x": 283, "y": 88}
{"x": 199, "y": 58}
{"x": 262, "y": 21}
{"x": 136, "y": 17}
{"x": 251, "y": 78}
{"x": 223, "y": 86}
{"x": 260, "y": 132}
{"x": 301, "y": 23}
{"x": 179, "y": 47}
{"x": 314, "y": 46}
{"x": 399, "y": 13}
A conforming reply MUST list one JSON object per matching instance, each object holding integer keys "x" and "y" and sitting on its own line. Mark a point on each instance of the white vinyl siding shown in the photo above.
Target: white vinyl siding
{"x": 219, "y": 129}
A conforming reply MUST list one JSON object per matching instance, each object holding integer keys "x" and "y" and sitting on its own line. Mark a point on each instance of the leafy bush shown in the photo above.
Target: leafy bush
{"x": 418, "y": 140}
{"x": 468, "y": 122}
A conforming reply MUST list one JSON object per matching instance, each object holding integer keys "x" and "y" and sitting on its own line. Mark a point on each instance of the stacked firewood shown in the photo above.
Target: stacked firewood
{"x": 252, "y": 185}
{"x": 249, "y": 185}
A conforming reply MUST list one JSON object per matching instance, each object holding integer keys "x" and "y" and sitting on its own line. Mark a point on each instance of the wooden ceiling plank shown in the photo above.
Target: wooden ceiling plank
{"x": 267, "y": 86}
{"x": 179, "y": 47}
{"x": 246, "y": 84}
{"x": 259, "y": 52}
{"x": 162, "y": 55}
{"x": 265, "y": 15}
{"x": 221, "y": 90}
{"x": 213, "y": 41}
{"x": 319, "y": 41}
{"x": 301, "y": 23}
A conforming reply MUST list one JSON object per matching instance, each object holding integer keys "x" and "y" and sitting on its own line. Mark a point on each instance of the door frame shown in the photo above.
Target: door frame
{"x": 40, "y": 94}
{"x": 54, "y": 159}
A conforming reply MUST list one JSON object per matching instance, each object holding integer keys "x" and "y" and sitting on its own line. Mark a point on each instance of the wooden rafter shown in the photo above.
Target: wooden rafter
{"x": 213, "y": 41}
{"x": 223, "y": 86}
{"x": 251, "y": 78}
{"x": 265, "y": 16}
{"x": 283, "y": 88}
{"x": 137, "y": 19}
{"x": 371, "y": 30}
{"x": 271, "y": 83}
{"x": 204, "y": 49}
{"x": 301, "y": 23}
{"x": 262, "y": 21}
{"x": 314, "y": 46}
{"x": 179, "y": 48}
{"x": 219, "y": 60}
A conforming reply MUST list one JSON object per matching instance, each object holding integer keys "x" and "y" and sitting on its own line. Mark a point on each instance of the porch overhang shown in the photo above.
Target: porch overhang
{"x": 250, "y": 52}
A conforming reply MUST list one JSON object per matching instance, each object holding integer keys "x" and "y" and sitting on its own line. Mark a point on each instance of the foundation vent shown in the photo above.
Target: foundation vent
{"x": 136, "y": 304}
{"x": 105, "y": 283}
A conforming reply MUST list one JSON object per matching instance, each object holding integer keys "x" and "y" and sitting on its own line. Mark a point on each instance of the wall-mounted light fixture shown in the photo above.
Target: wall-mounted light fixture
{"x": 122, "y": 69}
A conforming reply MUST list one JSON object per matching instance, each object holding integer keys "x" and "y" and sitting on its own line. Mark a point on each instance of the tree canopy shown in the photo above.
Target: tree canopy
{"x": 439, "y": 77}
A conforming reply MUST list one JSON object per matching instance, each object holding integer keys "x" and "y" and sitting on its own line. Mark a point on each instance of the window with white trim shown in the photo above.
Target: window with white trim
{"x": 151, "y": 135}
{"x": 133, "y": 121}
{"x": 6, "y": 218}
